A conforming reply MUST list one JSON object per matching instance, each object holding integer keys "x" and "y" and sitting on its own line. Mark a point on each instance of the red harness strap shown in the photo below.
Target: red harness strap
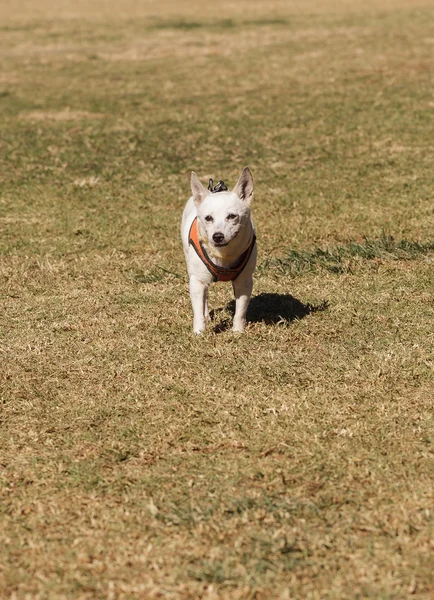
{"x": 220, "y": 273}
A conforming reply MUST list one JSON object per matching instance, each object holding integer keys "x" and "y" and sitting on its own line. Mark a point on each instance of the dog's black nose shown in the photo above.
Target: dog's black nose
{"x": 218, "y": 237}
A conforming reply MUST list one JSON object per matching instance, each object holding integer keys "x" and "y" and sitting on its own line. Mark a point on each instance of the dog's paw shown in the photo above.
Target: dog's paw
{"x": 199, "y": 328}
{"x": 239, "y": 327}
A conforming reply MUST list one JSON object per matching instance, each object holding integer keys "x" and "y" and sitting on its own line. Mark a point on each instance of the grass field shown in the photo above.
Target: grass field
{"x": 137, "y": 460}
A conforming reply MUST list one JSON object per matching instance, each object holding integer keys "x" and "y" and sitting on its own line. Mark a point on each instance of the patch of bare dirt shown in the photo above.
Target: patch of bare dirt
{"x": 61, "y": 115}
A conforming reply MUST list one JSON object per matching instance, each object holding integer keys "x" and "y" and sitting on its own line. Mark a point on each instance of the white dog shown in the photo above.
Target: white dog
{"x": 219, "y": 245}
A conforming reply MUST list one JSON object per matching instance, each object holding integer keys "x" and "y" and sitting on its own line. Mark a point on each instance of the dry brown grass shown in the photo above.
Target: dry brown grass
{"x": 139, "y": 461}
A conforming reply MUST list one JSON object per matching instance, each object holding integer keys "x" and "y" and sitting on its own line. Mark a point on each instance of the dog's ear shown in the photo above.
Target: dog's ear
{"x": 244, "y": 187}
{"x": 197, "y": 189}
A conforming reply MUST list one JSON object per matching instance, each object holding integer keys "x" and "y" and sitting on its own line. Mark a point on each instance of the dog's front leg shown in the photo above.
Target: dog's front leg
{"x": 198, "y": 295}
{"x": 207, "y": 316}
{"x": 243, "y": 290}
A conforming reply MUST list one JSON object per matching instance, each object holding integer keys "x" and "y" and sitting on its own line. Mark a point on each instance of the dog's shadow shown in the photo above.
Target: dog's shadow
{"x": 271, "y": 309}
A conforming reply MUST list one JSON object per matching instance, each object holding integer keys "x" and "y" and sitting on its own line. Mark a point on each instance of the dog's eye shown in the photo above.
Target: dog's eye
{"x": 209, "y": 218}
{"x": 231, "y": 216}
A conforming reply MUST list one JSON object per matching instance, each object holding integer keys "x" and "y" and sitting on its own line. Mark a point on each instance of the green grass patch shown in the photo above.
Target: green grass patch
{"x": 339, "y": 259}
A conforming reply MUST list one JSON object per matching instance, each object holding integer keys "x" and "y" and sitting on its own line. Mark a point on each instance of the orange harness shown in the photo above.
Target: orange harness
{"x": 219, "y": 273}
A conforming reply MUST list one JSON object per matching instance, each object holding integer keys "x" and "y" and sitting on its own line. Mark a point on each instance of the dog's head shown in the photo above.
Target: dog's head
{"x": 223, "y": 215}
